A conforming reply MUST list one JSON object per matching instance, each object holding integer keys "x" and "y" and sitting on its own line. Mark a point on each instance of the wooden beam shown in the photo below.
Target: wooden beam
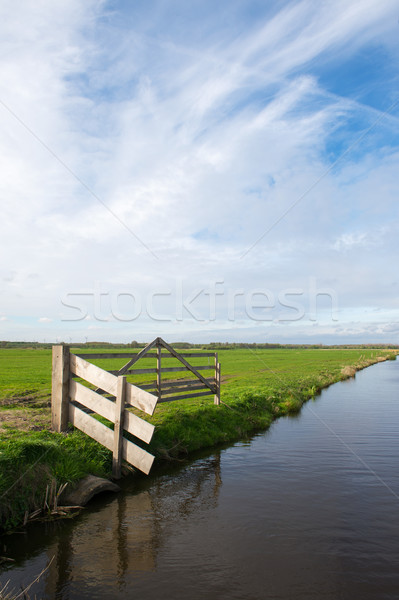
{"x": 60, "y": 388}
{"x": 183, "y": 382}
{"x": 93, "y": 374}
{"x": 141, "y": 399}
{"x": 198, "y": 354}
{"x": 139, "y": 355}
{"x": 180, "y": 369}
{"x": 106, "y": 408}
{"x": 133, "y": 454}
{"x": 140, "y": 371}
{"x": 173, "y": 388}
{"x": 185, "y": 363}
{"x": 91, "y": 399}
{"x": 137, "y": 457}
{"x": 138, "y": 427}
{"x": 173, "y": 369}
{"x": 163, "y": 370}
{"x": 93, "y": 428}
{"x": 106, "y": 355}
{"x": 216, "y": 399}
{"x": 159, "y": 372}
{"x": 189, "y": 354}
{"x": 182, "y": 397}
{"x": 118, "y": 428}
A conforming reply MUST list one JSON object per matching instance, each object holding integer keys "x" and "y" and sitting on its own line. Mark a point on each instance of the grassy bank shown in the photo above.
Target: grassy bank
{"x": 258, "y": 386}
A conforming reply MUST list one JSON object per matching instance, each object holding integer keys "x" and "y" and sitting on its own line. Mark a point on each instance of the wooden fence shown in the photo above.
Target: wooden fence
{"x": 72, "y": 400}
{"x": 168, "y": 390}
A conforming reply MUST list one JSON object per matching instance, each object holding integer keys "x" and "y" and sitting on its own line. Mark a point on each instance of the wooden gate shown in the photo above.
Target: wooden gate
{"x": 168, "y": 389}
{"x": 72, "y": 400}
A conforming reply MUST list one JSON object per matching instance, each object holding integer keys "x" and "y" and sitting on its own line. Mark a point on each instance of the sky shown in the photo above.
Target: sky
{"x": 200, "y": 171}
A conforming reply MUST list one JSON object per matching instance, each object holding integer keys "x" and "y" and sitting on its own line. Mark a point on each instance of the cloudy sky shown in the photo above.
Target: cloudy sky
{"x": 202, "y": 171}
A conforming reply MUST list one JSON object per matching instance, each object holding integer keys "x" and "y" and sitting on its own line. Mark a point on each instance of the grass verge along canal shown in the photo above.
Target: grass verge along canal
{"x": 258, "y": 386}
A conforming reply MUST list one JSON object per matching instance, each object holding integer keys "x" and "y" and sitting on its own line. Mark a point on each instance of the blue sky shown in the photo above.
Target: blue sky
{"x": 201, "y": 172}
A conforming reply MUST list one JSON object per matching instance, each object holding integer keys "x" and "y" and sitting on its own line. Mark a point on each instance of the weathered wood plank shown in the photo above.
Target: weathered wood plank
{"x": 166, "y": 370}
{"x": 141, "y": 399}
{"x": 136, "y": 456}
{"x": 60, "y": 388}
{"x": 217, "y": 379}
{"x": 93, "y": 428}
{"x": 138, "y": 427}
{"x": 182, "y": 397}
{"x": 91, "y": 399}
{"x": 106, "y": 408}
{"x": 118, "y": 427}
{"x": 92, "y": 374}
{"x": 173, "y": 369}
{"x": 103, "y": 393}
{"x": 159, "y": 371}
{"x": 194, "y": 370}
{"x": 189, "y": 354}
{"x": 182, "y": 382}
{"x": 190, "y": 368}
{"x": 171, "y": 389}
{"x": 140, "y": 354}
{"x": 141, "y": 371}
{"x": 197, "y": 354}
{"x": 97, "y": 355}
{"x": 204, "y": 367}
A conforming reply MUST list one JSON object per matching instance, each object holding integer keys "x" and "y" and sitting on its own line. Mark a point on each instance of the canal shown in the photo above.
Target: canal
{"x": 308, "y": 509}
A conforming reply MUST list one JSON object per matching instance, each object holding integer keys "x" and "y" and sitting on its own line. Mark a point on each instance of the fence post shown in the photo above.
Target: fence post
{"x": 159, "y": 377}
{"x": 216, "y": 399}
{"x": 60, "y": 388}
{"x": 118, "y": 427}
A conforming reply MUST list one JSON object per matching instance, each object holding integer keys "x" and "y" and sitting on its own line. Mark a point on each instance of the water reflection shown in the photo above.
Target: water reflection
{"x": 125, "y": 535}
{"x": 299, "y": 512}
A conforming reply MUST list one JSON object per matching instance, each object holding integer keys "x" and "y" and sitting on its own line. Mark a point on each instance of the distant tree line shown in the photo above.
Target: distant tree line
{"x": 187, "y": 345}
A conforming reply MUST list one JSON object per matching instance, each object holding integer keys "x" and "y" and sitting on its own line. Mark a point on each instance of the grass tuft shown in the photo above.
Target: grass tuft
{"x": 29, "y": 462}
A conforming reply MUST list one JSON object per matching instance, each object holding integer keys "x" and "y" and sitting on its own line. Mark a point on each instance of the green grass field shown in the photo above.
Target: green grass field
{"x": 257, "y": 387}
{"x": 26, "y": 373}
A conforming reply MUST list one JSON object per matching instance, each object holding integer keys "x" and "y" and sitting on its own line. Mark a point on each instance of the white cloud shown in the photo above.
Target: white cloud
{"x": 346, "y": 241}
{"x": 199, "y": 145}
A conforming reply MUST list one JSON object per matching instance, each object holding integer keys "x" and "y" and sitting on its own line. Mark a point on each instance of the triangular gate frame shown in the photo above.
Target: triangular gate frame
{"x": 159, "y": 344}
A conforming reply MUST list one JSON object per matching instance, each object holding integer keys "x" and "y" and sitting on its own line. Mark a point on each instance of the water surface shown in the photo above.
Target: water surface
{"x": 309, "y": 509}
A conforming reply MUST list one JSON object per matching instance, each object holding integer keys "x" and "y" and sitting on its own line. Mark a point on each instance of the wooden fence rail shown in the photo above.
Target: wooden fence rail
{"x": 71, "y": 400}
